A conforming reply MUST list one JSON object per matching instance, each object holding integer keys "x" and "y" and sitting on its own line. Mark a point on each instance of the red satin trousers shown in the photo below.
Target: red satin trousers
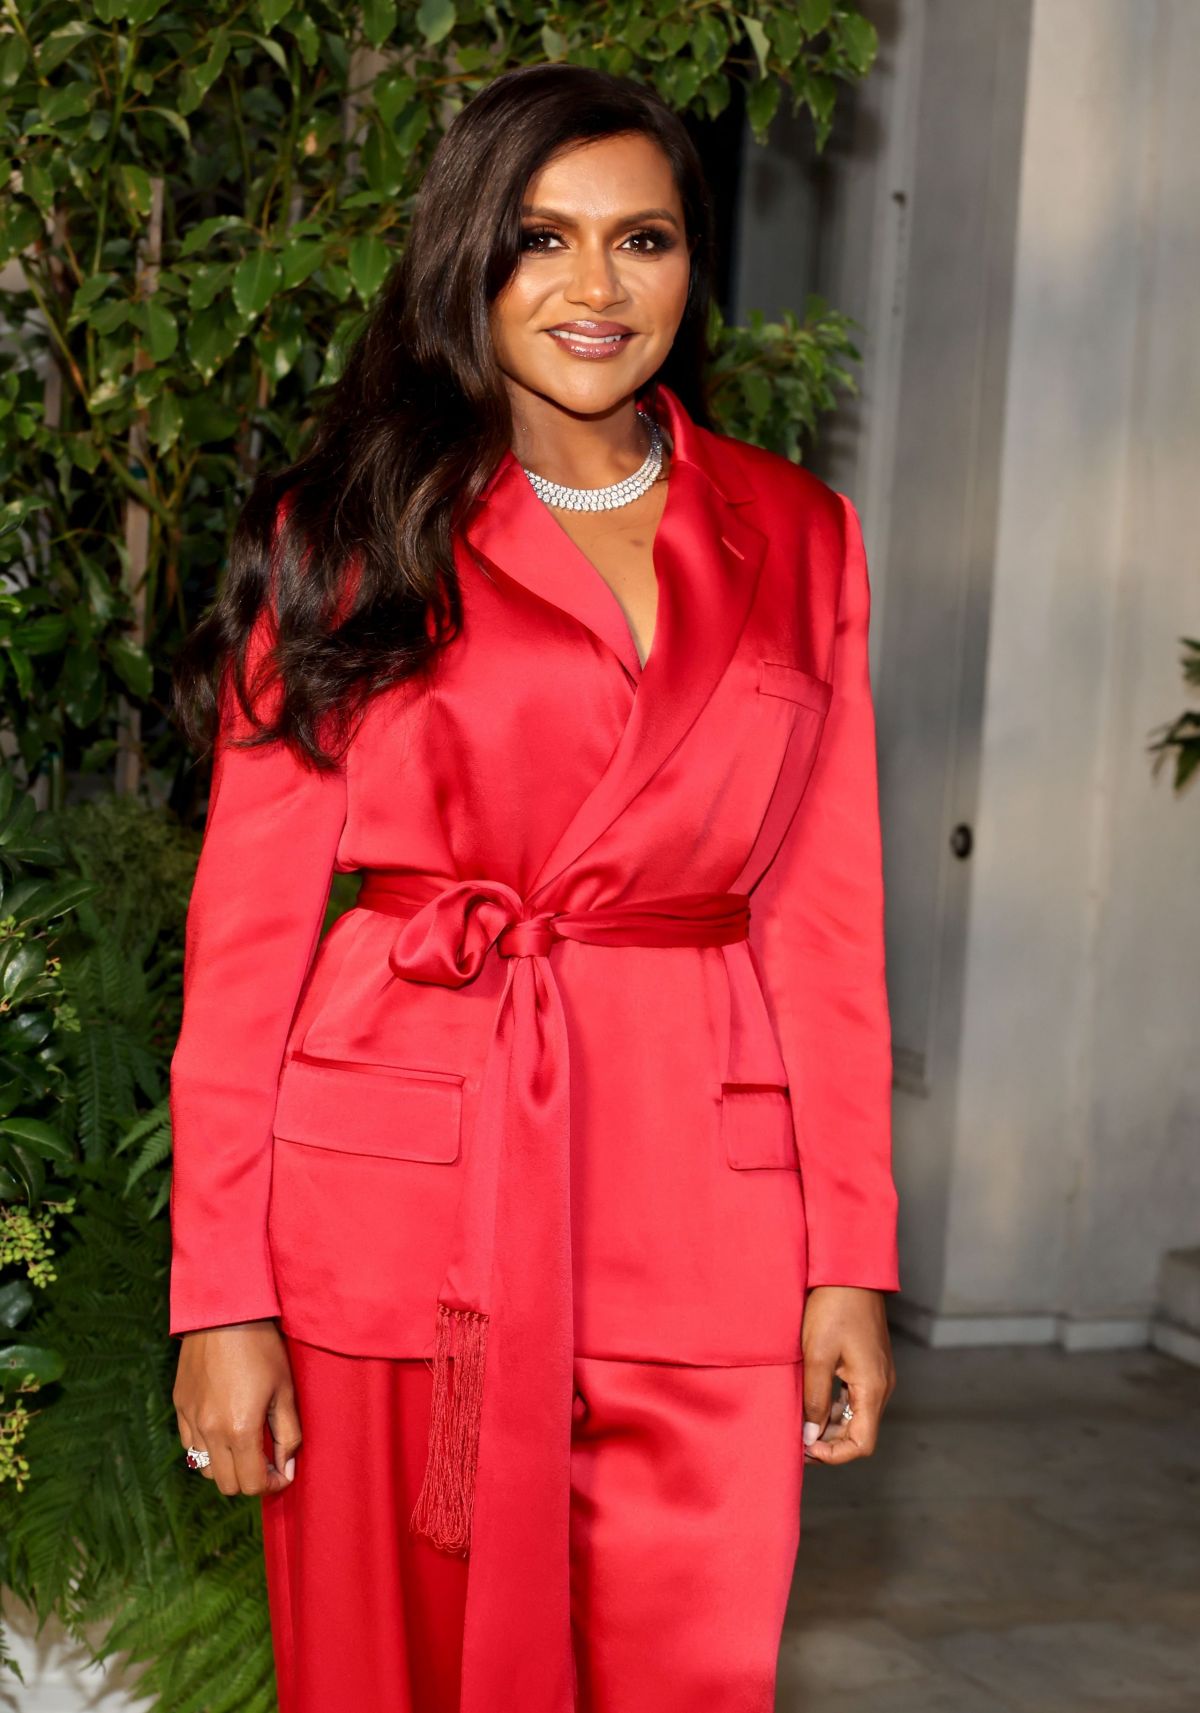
{"x": 685, "y": 1519}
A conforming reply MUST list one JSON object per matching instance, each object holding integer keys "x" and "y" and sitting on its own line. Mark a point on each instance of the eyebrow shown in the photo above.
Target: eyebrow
{"x": 561, "y": 219}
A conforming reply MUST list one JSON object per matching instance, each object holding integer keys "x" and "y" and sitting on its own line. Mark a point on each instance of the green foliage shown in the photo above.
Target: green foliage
{"x": 204, "y": 198}
{"x": 38, "y": 896}
{"x": 125, "y": 980}
{"x": 1182, "y": 737}
{"x": 771, "y": 381}
{"x": 114, "y": 1529}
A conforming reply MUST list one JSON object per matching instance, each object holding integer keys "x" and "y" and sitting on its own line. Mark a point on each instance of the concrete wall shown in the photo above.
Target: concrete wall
{"x": 1016, "y": 219}
{"x": 1078, "y": 1132}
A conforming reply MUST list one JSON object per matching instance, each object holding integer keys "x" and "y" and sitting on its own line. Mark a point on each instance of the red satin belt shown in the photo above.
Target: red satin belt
{"x": 497, "y": 1478}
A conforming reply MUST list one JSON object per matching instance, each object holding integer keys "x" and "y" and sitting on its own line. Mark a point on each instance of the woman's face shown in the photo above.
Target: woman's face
{"x": 600, "y": 290}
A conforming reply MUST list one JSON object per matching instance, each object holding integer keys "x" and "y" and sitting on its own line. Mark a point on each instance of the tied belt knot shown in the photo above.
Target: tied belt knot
{"x": 531, "y": 938}
{"x": 497, "y": 1474}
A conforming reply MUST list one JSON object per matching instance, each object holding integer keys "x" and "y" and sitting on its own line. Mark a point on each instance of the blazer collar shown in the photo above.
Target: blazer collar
{"x": 708, "y": 557}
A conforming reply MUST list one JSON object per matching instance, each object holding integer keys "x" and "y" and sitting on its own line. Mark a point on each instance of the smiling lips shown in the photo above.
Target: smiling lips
{"x": 594, "y": 340}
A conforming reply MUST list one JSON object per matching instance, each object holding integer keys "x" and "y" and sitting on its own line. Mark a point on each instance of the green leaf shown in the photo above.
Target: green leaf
{"x": 46, "y": 899}
{"x": 813, "y": 15}
{"x": 160, "y": 328}
{"x": 859, "y": 42}
{"x": 90, "y": 292}
{"x": 379, "y": 20}
{"x": 106, "y": 318}
{"x": 212, "y": 339}
{"x": 308, "y": 39}
{"x": 24, "y": 964}
{"x": 22, "y": 671}
{"x": 44, "y": 1140}
{"x": 39, "y": 186}
{"x": 15, "y": 512}
{"x": 202, "y": 235}
{"x": 21, "y": 1364}
{"x": 16, "y": 1300}
{"x": 256, "y": 281}
{"x": 13, "y": 55}
{"x": 45, "y": 634}
{"x": 207, "y": 283}
{"x": 135, "y": 181}
{"x": 273, "y": 51}
{"x": 300, "y": 258}
{"x": 554, "y": 43}
{"x": 392, "y": 93}
{"x": 22, "y": 225}
{"x": 436, "y": 19}
{"x": 273, "y": 12}
{"x": 206, "y": 421}
{"x": 132, "y": 665}
{"x": 369, "y": 260}
{"x": 758, "y": 41}
{"x": 166, "y": 420}
{"x": 61, "y": 44}
{"x": 72, "y": 101}
{"x": 762, "y": 101}
{"x": 175, "y": 120}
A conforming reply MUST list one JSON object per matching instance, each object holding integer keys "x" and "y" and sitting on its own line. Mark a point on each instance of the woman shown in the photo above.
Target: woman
{"x": 551, "y": 1189}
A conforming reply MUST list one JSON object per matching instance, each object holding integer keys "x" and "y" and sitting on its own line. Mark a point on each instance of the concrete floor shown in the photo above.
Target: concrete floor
{"x": 1025, "y": 1540}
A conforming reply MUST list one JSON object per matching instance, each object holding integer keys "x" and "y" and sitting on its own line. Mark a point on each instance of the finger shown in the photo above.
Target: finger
{"x": 283, "y": 1419}
{"x": 818, "y": 1396}
{"x": 855, "y": 1438}
{"x": 222, "y": 1470}
{"x": 192, "y": 1440}
{"x": 250, "y": 1462}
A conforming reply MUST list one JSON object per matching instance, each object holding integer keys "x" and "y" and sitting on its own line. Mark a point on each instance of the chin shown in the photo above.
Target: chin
{"x": 590, "y": 394}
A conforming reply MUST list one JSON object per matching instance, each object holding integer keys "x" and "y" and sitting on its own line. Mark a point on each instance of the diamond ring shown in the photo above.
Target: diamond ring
{"x": 197, "y": 1459}
{"x": 847, "y": 1413}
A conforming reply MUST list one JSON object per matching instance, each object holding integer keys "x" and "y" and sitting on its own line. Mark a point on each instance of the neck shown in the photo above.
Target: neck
{"x": 578, "y": 451}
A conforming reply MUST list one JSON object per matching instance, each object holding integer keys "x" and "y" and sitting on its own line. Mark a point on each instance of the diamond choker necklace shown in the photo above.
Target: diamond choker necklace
{"x": 616, "y": 494}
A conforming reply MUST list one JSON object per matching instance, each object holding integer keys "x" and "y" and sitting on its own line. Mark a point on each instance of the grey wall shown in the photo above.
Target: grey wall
{"x": 1011, "y": 209}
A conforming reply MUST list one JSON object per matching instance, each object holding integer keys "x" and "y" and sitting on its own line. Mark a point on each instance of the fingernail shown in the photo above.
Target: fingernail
{"x": 289, "y": 1469}
{"x": 812, "y": 1432}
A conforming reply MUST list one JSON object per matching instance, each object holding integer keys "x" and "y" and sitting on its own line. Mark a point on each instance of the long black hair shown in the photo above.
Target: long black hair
{"x": 407, "y": 438}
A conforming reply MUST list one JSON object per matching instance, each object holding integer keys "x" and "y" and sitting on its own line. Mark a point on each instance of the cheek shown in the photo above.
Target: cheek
{"x": 667, "y": 295}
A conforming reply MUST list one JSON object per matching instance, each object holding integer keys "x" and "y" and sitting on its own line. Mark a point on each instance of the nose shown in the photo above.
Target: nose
{"x": 595, "y": 281}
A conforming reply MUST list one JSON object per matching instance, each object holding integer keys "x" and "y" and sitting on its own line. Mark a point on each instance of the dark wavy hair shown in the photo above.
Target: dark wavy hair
{"x": 407, "y": 438}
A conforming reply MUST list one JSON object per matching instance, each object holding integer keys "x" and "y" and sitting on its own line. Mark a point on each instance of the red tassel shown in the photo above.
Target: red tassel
{"x": 443, "y": 1509}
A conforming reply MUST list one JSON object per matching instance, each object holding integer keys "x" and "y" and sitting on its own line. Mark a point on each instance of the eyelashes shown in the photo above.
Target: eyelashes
{"x": 651, "y": 240}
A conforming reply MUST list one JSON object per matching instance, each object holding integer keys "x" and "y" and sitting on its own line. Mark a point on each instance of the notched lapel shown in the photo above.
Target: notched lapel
{"x": 709, "y": 559}
{"x": 518, "y": 536}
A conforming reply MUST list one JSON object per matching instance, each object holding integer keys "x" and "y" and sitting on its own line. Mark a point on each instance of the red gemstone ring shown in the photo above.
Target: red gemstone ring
{"x": 197, "y": 1459}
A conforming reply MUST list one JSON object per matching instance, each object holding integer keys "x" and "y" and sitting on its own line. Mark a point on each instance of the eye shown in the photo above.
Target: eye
{"x": 649, "y": 240}
{"x": 538, "y": 239}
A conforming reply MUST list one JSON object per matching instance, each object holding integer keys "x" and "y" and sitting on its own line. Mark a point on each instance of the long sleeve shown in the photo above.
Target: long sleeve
{"x": 253, "y": 924}
{"x": 818, "y": 933}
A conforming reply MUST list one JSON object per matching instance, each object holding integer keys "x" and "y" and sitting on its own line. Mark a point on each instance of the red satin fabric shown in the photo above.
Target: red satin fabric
{"x": 336, "y": 1122}
{"x": 511, "y": 1257}
{"x": 685, "y": 1488}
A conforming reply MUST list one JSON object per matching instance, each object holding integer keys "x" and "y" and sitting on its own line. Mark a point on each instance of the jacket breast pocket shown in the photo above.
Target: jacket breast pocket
{"x": 778, "y": 678}
{"x": 757, "y": 1129}
{"x": 387, "y": 1110}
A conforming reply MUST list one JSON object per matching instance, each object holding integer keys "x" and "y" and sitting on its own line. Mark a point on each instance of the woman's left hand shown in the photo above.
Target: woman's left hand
{"x": 844, "y": 1333}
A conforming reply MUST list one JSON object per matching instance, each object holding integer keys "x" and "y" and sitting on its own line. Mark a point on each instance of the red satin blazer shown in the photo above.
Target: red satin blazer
{"x": 716, "y": 1115}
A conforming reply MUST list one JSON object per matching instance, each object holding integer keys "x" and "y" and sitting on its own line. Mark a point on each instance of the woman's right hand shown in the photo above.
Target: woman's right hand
{"x": 230, "y": 1381}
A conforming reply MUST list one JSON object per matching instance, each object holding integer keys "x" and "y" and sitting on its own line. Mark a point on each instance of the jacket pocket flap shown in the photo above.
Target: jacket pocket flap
{"x": 401, "y": 1113}
{"x": 757, "y": 1126}
{"x": 776, "y": 678}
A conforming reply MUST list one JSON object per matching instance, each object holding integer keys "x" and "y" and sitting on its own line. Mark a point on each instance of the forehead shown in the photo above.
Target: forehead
{"x": 606, "y": 176}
